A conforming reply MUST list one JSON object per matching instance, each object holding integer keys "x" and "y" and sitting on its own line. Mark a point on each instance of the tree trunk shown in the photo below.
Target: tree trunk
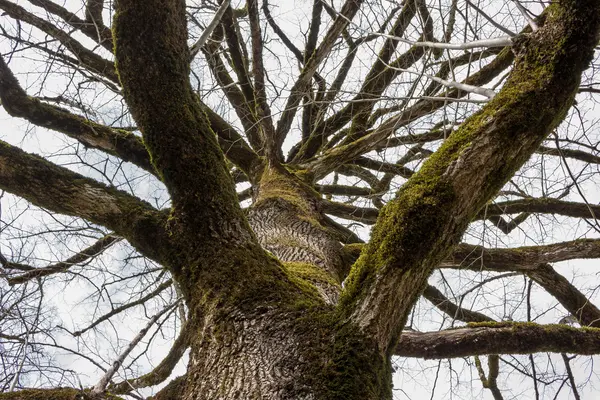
{"x": 298, "y": 354}
{"x": 301, "y": 347}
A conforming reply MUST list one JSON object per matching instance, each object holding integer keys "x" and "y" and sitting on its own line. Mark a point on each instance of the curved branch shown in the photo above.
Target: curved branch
{"x": 521, "y": 259}
{"x": 83, "y": 256}
{"x": 456, "y": 312}
{"x": 261, "y": 106}
{"x": 499, "y": 338}
{"x": 568, "y": 296}
{"x": 377, "y": 137}
{"x": 116, "y": 142}
{"x": 163, "y": 286}
{"x": 87, "y": 58}
{"x": 172, "y": 391}
{"x": 343, "y": 190}
{"x": 527, "y": 258}
{"x": 162, "y": 370}
{"x": 542, "y": 206}
{"x": 570, "y": 153}
{"x": 92, "y": 27}
{"x": 383, "y": 167}
{"x": 353, "y": 213}
{"x": 234, "y": 95}
{"x": 232, "y": 144}
{"x": 60, "y": 190}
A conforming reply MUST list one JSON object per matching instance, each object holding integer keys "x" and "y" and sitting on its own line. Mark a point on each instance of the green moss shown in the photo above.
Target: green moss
{"x": 340, "y": 362}
{"x": 406, "y": 231}
{"x": 531, "y": 325}
{"x": 279, "y": 182}
{"x": 309, "y": 273}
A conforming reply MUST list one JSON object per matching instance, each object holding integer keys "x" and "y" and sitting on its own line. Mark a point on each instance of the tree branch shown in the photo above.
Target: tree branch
{"x": 353, "y": 213}
{"x": 456, "y": 312}
{"x": 377, "y": 138}
{"x": 575, "y": 302}
{"x": 100, "y": 387}
{"x": 527, "y": 258}
{"x": 55, "y": 394}
{"x": 348, "y": 11}
{"x": 162, "y": 287}
{"x": 542, "y": 206}
{"x": 60, "y": 190}
{"x": 233, "y": 93}
{"x": 420, "y": 226}
{"x": 162, "y": 370}
{"x": 262, "y": 109}
{"x": 92, "y": 27}
{"x": 175, "y": 129}
{"x": 83, "y": 256}
{"x": 209, "y": 29}
{"x": 116, "y": 142}
{"x": 87, "y": 58}
{"x": 521, "y": 259}
{"x": 499, "y": 338}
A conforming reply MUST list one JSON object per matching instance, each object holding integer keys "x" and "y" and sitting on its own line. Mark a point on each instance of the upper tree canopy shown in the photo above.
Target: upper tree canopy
{"x": 200, "y": 159}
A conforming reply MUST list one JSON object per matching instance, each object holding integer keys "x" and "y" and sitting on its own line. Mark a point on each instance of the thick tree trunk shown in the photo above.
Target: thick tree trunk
{"x": 300, "y": 348}
{"x": 288, "y": 222}
{"x": 293, "y": 355}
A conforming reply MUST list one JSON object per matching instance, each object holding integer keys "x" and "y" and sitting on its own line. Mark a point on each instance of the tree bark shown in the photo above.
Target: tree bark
{"x": 284, "y": 328}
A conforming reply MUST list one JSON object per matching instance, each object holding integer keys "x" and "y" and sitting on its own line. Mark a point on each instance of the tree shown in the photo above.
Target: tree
{"x": 280, "y": 300}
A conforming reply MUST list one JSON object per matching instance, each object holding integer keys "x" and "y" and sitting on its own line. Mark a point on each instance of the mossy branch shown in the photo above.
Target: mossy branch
{"x": 116, "y": 142}
{"x": 499, "y": 338}
{"x": 60, "y": 190}
{"x": 430, "y": 213}
{"x": 152, "y": 37}
{"x": 56, "y": 394}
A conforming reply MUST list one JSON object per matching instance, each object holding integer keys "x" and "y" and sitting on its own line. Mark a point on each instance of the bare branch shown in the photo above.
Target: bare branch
{"x": 100, "y": 387}
{"x": 116, "y": 142}
{"x": 162, "y": 371}
{"x": 455, "y": 312}
{"x": 499, "y": 338}
{"x": 349, "y": 9}
{"x": 542, "y": 206}
{"x": 87, "y": 58}
{"x": 575, "y": 302}
{"x": 209, "y": 29}
{"x": 89, "y": 27}
{"x": 430, "y": 213}
{"x": 82, "y": 256}
{"x": 60, "y": 190}
{"x": 117, "y": 310}
{"x": 466, "y": 256}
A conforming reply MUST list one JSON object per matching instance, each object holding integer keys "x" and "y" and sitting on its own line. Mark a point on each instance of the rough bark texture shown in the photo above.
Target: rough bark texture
{"x": 416, "y": 231}
{"x": 268, "y": 317}
{"x": 288, "y": 221}
{"x": 500, "y": 338}
{"x": 255, "y": 318}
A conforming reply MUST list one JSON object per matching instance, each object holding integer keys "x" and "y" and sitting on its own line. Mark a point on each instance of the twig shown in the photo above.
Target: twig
{"x": 103, "y": 382}
{"x": 525, "y": 14}
{"x": 209, "y": 29}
